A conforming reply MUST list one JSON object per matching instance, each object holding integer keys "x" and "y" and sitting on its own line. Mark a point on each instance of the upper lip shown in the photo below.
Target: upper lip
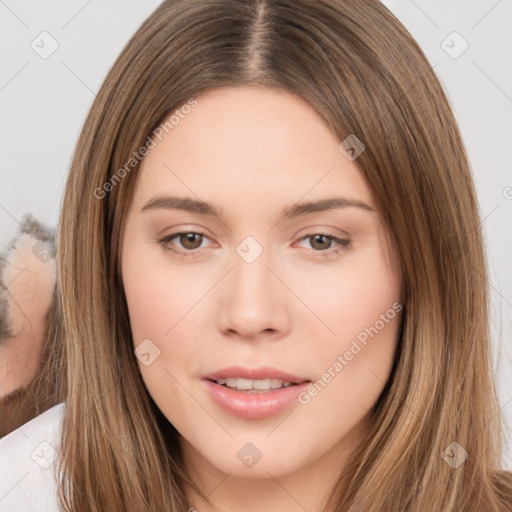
{"x": 260, "y": 373}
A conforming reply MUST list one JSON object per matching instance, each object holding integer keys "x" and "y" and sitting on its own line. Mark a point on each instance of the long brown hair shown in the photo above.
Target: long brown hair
{"x": 360, "y": 69}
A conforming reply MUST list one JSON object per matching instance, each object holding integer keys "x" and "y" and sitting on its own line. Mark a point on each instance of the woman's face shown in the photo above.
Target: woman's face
{"x": 261, "y": 281}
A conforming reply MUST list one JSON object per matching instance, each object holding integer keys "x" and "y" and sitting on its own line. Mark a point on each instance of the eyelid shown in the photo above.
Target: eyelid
{"x": 323, "y": 229}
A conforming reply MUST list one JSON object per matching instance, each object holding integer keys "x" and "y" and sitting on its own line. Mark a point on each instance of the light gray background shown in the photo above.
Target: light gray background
{"x": 44, "y": 103}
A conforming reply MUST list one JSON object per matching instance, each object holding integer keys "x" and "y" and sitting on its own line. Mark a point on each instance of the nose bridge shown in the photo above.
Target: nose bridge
{"x": 253, "y": 302}
{"x": 251, "y": 278}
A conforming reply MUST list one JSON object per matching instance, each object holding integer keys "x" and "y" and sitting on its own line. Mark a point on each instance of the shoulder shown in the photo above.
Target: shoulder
{"x": 27, "y": 458}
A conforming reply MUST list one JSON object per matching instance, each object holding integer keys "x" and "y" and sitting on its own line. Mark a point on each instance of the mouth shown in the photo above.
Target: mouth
{"x": 254, "y": 393}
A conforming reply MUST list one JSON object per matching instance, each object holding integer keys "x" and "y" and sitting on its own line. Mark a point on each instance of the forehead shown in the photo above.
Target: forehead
{"x": 242, "y": 143}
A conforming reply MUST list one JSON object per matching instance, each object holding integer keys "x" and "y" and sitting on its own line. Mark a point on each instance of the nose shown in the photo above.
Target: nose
{"x": 253, "y": 300}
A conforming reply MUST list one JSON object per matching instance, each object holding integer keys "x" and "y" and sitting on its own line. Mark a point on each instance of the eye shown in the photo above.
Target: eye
{"x": 323, "y": 243}
{"x": 190, "y": 241}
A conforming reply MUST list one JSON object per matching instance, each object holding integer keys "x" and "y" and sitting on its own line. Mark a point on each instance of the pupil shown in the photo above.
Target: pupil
{"x": 317, "y": 237}
{"x": 189, "y": 238}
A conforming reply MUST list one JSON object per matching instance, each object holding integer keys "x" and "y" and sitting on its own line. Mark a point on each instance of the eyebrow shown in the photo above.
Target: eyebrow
{"x": 296, "y": 210}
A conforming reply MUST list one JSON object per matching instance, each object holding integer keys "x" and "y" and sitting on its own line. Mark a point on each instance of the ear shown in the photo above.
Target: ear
{"x": 27, "y": 282}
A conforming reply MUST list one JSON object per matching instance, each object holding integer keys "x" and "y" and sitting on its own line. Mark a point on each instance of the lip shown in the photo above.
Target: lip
{"x": 260, "y": 373}
{"x": 254, "y": 405}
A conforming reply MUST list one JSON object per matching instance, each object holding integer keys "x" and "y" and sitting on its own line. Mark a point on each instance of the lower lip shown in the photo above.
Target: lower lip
{"x": 254, "y": 406}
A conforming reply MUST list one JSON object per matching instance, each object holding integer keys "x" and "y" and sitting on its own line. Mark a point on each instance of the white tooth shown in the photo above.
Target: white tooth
{"x": 231, "y": 383}
{"x": 276, "y": 383}
{"x": 286, "y": 384}
{"x": 221, "y": 381}
{"x": 261, "y": 384}
{"x": 244, "y": 383}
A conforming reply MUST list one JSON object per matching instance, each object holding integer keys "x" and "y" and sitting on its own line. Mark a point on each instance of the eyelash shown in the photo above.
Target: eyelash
{"x": 343, "y": 245}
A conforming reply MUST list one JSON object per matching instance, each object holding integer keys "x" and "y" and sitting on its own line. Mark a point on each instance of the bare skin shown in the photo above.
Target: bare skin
{"x": 298, "y": 306}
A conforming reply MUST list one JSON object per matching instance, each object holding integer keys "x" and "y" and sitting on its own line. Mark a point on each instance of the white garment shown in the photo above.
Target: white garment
{"x": 27, "y": 457}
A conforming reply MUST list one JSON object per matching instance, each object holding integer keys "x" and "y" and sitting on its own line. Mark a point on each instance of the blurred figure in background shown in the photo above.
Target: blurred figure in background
{"x": 27, "y": 310}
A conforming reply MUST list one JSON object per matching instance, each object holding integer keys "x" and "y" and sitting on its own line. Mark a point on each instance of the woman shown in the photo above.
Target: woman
{"x": 271, "y": 276}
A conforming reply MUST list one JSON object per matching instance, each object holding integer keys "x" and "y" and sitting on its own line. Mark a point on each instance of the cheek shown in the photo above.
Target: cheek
{"x": 351, "y": 296}
{"x": 352, "y": 378}
{"x": 359, "y": 302}
{"x": 157, "y": 294}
